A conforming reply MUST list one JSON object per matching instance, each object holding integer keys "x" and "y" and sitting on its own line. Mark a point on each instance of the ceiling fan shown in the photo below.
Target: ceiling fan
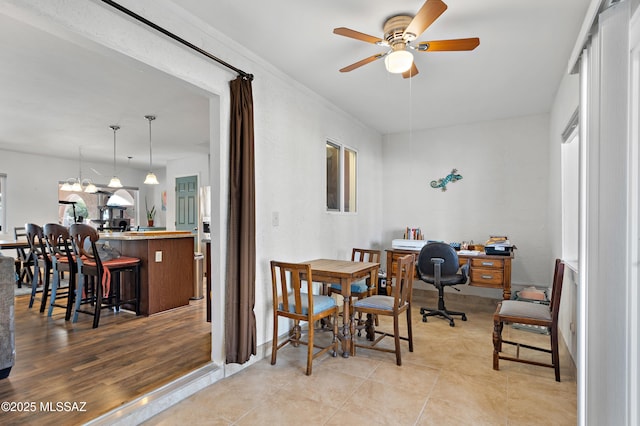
{"x": 399, "y": 32}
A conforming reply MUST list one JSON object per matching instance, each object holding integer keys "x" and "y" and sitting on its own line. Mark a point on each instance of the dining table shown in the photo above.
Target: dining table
{"x": 344, "y": 272}
{"x": 15, "y": 244}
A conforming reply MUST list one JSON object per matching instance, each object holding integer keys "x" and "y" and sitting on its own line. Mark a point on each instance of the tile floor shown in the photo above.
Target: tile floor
{"x": 447, "y": 380}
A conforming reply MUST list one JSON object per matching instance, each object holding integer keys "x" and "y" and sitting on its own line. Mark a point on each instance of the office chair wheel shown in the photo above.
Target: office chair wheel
{"x": 464, "y": 317}
{"x": 452, "y": 324}
{"x": 424, "y": 319}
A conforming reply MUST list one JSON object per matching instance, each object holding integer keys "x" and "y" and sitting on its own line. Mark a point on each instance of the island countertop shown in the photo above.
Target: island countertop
{"x": 144, "y": 235}
{"x": 166, "y": 266}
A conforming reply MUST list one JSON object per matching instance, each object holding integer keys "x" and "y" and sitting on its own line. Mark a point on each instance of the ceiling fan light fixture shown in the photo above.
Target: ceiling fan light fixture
{"x": 398, "y": 61}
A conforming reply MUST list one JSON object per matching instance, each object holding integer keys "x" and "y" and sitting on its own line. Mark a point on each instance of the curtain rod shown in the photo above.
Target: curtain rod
{"x": 134, "y": 15}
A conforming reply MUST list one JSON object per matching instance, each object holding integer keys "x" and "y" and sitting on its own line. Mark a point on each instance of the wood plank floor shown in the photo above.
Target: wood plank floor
{"x": 125, "y": 358}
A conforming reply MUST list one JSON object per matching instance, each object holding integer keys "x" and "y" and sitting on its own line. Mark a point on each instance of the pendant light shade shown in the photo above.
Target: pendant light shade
{"x": 151, "y": 178}
{"x": 115, "y": 181}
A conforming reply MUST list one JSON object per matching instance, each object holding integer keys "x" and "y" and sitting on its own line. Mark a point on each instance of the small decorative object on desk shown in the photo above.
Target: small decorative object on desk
{"x": 413, "y": 234}
{"x": 442, "y": 183}
{"x": 151, "y": 214}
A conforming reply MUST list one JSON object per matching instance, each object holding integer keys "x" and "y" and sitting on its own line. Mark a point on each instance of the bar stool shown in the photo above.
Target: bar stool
{"x": 104, "y": 289}
{"x": 59, "y": 249}
{"x": 39, "y": 259}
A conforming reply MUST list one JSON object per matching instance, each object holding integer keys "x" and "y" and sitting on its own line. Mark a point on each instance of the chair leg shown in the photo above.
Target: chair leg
{"x": 409, "y": 329}
{"x": 274, "y": 347}
{"x": 396, "y": 338}
{"x": 310, "y": 349}
{"x": 555, "y": 356}
{"x": 34, "y": 287}
{"x": 71, "y": 295}
{"x": 45, "y": 288}
{"x": 497, "y": 342}
{"x": 98, "y": 304}
{"x": 54, "y": 290}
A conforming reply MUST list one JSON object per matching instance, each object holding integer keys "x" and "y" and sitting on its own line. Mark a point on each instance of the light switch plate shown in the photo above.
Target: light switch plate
{"x": 158, "y": 256}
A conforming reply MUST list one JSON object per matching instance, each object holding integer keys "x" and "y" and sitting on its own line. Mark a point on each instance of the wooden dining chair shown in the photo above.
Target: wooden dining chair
{"x": 23, "y": 263}
{"x": 41, "y": 262}
{"x": 393, "y": 305}
{"x": 521, "y": 312}
{"x": 362, "y": 288}
{"x": 293, "y": 299}
{"x": 60, "y": 252}
{"x": 98, "y": 283}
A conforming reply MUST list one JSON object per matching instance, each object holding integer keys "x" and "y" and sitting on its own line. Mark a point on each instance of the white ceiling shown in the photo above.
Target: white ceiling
{"x": 516, "y": 70}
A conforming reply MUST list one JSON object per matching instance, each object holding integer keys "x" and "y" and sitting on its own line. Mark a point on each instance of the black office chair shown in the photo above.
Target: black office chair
{"x": 438, "y": 265}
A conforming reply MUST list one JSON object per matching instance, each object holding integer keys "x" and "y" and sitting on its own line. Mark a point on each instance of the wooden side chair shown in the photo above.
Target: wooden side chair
{"x": 515, "y": 311}
{"x": 393, "y": 305}
{"x": 41, "y": 264}
{"x": 60, "y": 252}
{"x": 293, "y": 299}
{"x": 363, "y": 288}
{"x": 103, "y": 291}
{"x": 23, "y": 262}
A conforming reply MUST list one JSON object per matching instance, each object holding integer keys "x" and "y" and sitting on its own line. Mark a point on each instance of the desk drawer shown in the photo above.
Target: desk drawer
{"x": 487, "y": 263}
{"x": 487, "y": 277}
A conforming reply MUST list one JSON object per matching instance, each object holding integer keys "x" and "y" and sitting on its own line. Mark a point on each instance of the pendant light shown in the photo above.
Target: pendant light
{"x": 114, "y": 182}
{"x": 151, "y": 178}
{"x": 79, "y": 184}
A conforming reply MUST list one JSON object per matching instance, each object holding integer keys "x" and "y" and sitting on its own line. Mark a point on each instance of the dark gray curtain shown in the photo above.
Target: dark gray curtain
{"x": 240, "y": 320}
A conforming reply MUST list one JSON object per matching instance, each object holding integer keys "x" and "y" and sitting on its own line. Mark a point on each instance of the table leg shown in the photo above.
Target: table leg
{"x": 345, "y": 286}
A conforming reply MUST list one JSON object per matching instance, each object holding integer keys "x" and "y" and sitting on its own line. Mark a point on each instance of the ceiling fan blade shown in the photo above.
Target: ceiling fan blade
{"x": 448, "y": 45}
{"x": 357, "y": 35}
{"x": 428, "y": 13}
{"x": 363, "y": 62}
{"x": 411, "y": 72}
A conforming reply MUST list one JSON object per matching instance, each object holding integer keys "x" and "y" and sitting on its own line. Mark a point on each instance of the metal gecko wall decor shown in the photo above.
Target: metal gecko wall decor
{"x": 442, "y": 183}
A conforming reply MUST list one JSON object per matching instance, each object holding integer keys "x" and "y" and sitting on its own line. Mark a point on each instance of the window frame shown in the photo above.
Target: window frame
{"x": 345, "y": 188}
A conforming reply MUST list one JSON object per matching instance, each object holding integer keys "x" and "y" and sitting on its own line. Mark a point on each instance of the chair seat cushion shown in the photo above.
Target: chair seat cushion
{"x": 517, "y": 308}
{"x": 320, "y": 303}
{"x": 375, "y": 302}
{"x": 356, "y": 287}
{"x": 445, "y": 280}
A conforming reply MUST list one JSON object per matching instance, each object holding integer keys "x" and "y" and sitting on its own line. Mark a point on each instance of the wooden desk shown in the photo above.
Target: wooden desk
{"x": 491, "y": 271}
{"x": 343, "y": 272}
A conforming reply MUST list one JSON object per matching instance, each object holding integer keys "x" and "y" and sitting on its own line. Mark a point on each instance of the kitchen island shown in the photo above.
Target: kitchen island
{"x": 166, "y": 272}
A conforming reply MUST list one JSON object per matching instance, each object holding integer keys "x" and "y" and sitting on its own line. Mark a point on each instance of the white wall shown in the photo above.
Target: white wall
{"x": 504, "y": 189}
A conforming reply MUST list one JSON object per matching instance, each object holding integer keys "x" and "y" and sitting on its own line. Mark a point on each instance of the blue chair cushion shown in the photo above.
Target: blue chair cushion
{"x": 320, "y": 303}
{"x": 375, "y": 302}
{"x": 356, "y": 287}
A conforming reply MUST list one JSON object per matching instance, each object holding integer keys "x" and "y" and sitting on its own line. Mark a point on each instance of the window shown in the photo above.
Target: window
{"x": 341, "y": 178}
{"x": 3, "y": 210}
{"x": 570, "y": 151}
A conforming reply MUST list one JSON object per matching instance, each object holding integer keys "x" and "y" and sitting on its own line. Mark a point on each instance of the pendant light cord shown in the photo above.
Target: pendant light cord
{"x": 150, "y": 118}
